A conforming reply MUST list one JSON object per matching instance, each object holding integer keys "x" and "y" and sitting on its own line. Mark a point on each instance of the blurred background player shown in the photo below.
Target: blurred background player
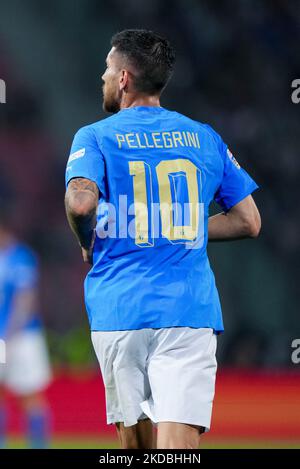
{"x": 26, "y": 372}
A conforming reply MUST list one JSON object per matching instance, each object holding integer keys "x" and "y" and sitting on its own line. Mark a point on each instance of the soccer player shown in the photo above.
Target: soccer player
{"x": 26, "y": 372}
{"x": 139, "y": 186}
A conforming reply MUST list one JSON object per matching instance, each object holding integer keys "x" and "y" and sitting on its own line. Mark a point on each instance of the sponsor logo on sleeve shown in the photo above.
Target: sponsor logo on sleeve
{"x": 78, "y": 154}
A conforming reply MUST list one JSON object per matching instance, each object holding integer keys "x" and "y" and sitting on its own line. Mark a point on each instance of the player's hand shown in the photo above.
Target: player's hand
{"x": 87, "y": 254}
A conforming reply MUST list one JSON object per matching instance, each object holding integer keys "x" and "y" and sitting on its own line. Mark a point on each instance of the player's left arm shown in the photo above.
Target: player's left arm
{"x": 81, "y": 201}
{"x": 241, "y": 221}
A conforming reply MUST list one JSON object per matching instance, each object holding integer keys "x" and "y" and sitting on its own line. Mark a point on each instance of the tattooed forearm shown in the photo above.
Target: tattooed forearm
{"x": 81, "y": 205}
{"x": 82, "y": 184}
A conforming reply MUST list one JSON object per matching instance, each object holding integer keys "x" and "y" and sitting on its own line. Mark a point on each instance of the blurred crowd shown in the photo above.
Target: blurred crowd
{"x": 236, "y": 61}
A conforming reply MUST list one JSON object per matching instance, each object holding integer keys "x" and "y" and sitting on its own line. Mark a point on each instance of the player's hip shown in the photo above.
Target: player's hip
{"x": 166, "y": 374}
{"x": 180, "y": 347}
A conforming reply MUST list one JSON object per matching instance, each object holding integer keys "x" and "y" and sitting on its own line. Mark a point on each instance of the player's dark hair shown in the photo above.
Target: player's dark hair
{"x": 151, "y": 55}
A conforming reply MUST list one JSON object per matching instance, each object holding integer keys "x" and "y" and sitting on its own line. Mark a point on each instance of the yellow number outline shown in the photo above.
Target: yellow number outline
{"x": 165, "y": 170}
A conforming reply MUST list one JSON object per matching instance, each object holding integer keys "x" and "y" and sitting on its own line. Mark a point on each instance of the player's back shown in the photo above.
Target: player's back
{"x": 157, "y": 172}
{"x": 156, "y": 161}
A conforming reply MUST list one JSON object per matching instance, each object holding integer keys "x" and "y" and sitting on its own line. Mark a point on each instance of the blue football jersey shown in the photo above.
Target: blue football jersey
{"x": 18, "y": 272}
{"x": 157, "y": 172}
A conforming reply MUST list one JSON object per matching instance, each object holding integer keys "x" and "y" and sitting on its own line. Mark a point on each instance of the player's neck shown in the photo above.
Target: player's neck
{"x": 141, "y": 100}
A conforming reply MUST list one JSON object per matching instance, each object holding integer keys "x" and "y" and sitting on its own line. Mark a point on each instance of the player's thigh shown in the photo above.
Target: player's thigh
{"x": 171, "y": 435}
{"x": 122, "y": 356}
{"x": 139, "y": 436}
{"x": 182, "y": 371}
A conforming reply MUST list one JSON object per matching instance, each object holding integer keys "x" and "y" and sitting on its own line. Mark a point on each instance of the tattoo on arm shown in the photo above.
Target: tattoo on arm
{"x": 82, "y": 184}
{"x": 81, "y": 202}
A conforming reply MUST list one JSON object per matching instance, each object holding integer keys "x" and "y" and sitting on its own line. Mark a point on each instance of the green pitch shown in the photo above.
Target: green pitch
{"x": 93, "y": 443}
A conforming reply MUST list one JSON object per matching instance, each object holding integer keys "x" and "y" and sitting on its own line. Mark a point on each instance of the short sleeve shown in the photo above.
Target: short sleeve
{"x": 86, "y": 159}
{"x": 236, "y": 184}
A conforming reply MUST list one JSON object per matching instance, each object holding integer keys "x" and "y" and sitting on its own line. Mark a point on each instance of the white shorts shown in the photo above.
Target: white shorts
{"x": 167, "y": 375}
{"x": 27, "y": 368}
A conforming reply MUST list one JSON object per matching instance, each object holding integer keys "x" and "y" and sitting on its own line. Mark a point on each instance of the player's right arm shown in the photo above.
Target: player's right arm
{"x": 84, "y": 184}
{"x": 81, "y": 202}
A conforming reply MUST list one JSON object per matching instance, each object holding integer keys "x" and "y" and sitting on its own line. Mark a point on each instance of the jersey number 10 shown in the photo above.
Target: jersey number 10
{"x": 181, "y": 221}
